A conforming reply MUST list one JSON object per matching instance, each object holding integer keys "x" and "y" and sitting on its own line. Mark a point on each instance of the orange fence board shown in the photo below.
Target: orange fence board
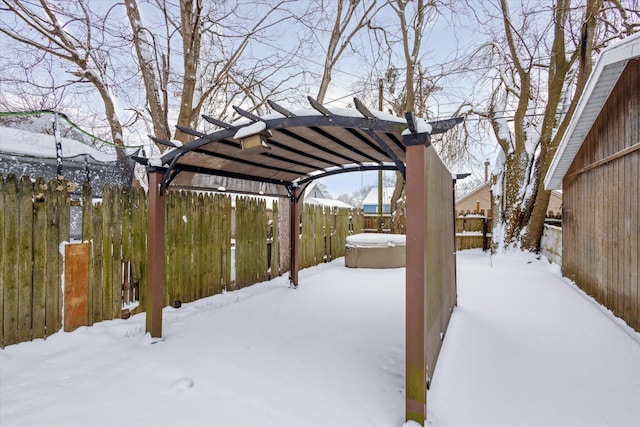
{"x": 76, "y": 279}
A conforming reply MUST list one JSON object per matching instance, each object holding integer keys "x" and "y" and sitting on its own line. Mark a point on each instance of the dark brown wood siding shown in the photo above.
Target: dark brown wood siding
{"x": 601, "y": 203}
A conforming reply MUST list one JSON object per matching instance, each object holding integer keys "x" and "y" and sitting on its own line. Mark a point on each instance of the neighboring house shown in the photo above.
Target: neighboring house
{"x": 597, "y": 165}
{"x": 370, "y": 203}
{"x": 478, "y": 201}
{"x": 317, "y": 194}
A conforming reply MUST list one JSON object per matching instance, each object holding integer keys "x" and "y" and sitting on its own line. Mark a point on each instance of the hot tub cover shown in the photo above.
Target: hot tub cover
{"x": 375, "y": 240}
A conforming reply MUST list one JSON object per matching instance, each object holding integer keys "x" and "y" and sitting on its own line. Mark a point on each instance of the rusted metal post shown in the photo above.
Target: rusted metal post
{"x": 416, "y": 204}
{"x": 294, "y": 235}
{"x": 155, "y": 252}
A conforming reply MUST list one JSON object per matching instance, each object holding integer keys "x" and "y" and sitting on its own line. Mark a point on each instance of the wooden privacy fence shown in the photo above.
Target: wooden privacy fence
{"x": 473, "y": 231}
{"x": 35, "y": 220}
{"x": 251, "y": 245}
{"x": 324, "y": 231}
{"x": 116, "y": 228}
{"x": 371, "y": 223}
{"x": 198, "y": 246}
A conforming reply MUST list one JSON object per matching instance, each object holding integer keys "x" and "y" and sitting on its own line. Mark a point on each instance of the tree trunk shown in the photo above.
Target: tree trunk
{"x": 191, "y": 38}
{"x": 146, "y": 54}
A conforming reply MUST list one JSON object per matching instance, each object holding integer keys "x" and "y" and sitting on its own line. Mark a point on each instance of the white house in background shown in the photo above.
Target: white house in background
{"x": 370, "y": 203}
{"x": 478, "y": 201}
{"x": 317, "y": 194}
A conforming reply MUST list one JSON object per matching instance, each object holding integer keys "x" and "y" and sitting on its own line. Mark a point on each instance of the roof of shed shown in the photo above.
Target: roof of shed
{"x": 296, "y": 147}
{"x": 603, "y": 79}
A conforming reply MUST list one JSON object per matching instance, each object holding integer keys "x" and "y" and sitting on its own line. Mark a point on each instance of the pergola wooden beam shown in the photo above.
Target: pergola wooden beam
{"x": 294, "y": 236}
{"x": 416, "y": 248}
{"x": 155, "y": 252}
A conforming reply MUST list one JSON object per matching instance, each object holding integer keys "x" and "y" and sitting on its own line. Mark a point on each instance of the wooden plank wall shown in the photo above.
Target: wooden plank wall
{"x": 116, "y": 229}
{"x": 601, "y": 203}
{"x": 274, "y": 267}
{"x": 251, "y": 241}
{"x": 473, "y": 232}
{"x": 441, "y": 296}
{"x": 34, "y": 221}
{"x": 198, "y": 246}
{"x": 325, "y": 231}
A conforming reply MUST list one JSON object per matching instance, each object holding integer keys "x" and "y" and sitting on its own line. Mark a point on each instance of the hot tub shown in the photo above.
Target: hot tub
{"x": 375, "y": 250}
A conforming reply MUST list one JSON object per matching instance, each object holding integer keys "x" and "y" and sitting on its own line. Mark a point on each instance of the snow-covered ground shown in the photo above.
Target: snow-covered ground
{"x": 524, "y": 347}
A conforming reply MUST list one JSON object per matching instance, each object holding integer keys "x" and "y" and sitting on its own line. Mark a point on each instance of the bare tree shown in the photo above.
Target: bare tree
{"x": 73, "y": 35}
{"x": 188, "y": 57}
{"x": 346, "y": 25}
{"x": 412, "y": 27}
{"x": 536, "y": 66}
{"x": 215, "y": 66}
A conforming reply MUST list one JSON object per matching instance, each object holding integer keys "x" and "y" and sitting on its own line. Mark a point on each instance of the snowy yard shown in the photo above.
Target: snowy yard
{"x": 524, "y": 347}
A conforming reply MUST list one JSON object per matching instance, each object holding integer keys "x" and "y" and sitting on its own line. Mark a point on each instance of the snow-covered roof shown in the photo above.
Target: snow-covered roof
{"x": 372, "y": 196}
{"x": 24, "y": 152}
{"x": 603, "y": 79}
{"x": 327, "y": 202}
{"x": 34, "y": 144}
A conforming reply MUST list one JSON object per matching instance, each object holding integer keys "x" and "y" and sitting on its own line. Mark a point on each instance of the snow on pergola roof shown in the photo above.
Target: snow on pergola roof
{"x": 288, "y": 149}
{"x": 606, "y": 73}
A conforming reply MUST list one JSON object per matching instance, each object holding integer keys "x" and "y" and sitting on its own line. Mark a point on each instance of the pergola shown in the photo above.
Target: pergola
{"x": 279, "y": 155}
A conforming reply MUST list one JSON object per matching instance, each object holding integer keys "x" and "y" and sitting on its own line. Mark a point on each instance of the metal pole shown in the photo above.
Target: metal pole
{"x": 380, "y": 204}
{"x": 56, "y": 137}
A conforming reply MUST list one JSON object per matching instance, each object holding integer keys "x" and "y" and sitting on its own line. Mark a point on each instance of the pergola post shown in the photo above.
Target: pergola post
{"x": 294, "y": 235}
{"x": 416, "y": 205}
{"x": 155, "y": 252}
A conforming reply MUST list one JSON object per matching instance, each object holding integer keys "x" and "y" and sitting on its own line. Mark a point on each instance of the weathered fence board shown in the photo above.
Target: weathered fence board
{"x": 10, "y": 256}
{"x": 274, "y": 265}
{"x": 96, "y": 256}
{"x": 57, "y": 201}
{"x": 39, "y": 259}
{"x": 25, "y": 258}
{"x": 473, "y": 232}
{"x": 251, "y": 241}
